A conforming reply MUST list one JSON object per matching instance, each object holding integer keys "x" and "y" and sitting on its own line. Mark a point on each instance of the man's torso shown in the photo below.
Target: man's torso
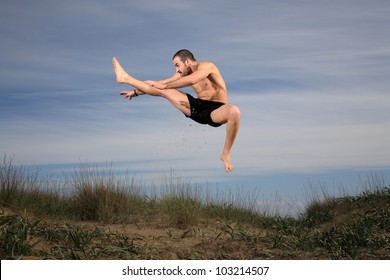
{"x": 212, "y": 88}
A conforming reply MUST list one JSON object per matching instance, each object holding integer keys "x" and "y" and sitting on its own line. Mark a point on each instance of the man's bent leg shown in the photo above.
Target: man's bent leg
{"x": 229, "y": 114}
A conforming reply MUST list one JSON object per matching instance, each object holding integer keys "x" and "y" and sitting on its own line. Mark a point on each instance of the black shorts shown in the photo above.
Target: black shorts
{"x": 201, "y": 110}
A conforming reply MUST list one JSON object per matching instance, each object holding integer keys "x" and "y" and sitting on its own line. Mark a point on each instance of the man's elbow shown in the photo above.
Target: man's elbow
{"x": 195, "y": 80}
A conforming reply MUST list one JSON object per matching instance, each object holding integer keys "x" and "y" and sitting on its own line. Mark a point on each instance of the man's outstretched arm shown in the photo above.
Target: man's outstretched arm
{"x": 161, "y": 84}
{"x": 174, "y": 77}
{"x": 201, "y": 73}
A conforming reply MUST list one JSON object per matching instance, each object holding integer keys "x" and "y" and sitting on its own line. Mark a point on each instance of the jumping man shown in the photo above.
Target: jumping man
{"x": 211, "y": 107}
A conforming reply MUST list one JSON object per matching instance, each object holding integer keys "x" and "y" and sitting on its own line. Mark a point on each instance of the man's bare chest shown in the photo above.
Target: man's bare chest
{"x": 205, "y": 86}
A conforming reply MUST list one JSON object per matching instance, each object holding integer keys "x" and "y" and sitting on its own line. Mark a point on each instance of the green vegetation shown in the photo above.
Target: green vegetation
{"x": 96, "y": 215}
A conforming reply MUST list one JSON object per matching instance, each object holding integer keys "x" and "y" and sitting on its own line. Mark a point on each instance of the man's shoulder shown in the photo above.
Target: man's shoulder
{"x": 208, "y": 64}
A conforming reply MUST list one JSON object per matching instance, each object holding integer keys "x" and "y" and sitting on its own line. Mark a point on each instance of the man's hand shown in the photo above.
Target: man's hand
{"x": 156, "y": 84}
{"x": 129, "y": 94}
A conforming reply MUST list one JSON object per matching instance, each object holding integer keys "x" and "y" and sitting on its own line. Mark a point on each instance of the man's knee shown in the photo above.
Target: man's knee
{"x": 165, "y": 93}
{"x": 234, "y": 112}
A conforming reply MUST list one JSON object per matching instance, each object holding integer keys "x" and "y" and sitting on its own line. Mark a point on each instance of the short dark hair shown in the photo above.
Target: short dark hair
{"x": 184, "y": 54}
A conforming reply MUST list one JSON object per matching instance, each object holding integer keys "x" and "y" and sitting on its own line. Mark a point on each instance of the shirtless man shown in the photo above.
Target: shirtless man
{"x": 211, "y": 107}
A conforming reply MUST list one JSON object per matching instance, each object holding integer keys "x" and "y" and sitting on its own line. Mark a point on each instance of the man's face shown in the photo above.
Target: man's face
{"x": 181, "y": 67}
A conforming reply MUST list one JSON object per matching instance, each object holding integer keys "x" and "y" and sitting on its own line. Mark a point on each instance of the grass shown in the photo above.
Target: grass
{"x": 97, "y": 215}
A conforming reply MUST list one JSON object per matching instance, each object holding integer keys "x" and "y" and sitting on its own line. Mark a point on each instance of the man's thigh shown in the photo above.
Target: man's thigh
{"x": 221, "y": 114}
{"x": 178, "y": 99}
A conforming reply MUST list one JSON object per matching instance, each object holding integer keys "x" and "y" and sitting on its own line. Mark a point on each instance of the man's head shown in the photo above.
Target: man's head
{"x": 182, "y": 60}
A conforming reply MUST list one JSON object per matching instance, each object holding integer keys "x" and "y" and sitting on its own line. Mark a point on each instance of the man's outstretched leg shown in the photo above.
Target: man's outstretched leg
{"x": 229, "y": 114}
{"x": 123, "y": 78}
{"x": 177, "y": 98}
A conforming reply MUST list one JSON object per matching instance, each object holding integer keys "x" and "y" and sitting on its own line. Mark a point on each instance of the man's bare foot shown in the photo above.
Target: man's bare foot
{"x": 130, "y": 93}
{"x": 227, "y": 162}
{"x": 121, "y": 75}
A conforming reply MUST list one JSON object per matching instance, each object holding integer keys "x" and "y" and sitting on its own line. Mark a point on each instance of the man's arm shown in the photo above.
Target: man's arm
{"x": 203, "y": 71}
{"x": 174, "y": 77}
{"x": 160, "y": 84}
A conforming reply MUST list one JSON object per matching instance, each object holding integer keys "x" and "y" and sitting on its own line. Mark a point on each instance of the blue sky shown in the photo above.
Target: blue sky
{"x": 311, "y": 79}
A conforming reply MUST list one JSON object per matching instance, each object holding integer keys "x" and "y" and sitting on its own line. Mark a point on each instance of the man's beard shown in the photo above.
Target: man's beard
{"x": 186, "y": 72}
